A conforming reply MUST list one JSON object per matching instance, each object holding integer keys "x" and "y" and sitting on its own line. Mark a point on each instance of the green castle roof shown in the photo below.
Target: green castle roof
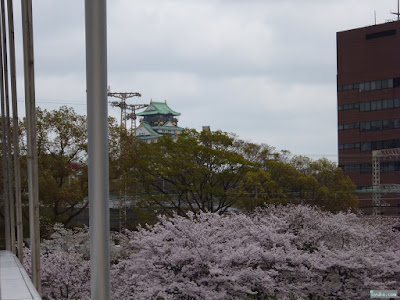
{"x": 148, "y": 127}
{"x": 158, "y": 108}
{"x": 166, "y": 127}
{"x": 154, "y": 134}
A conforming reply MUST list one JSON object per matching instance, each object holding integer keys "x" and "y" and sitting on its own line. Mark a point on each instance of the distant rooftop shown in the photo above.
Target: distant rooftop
{"x": 372, "y": 25}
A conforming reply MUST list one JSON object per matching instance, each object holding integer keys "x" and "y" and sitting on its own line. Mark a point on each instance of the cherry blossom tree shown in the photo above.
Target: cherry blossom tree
{"x": 286, "y": 252}
{"x": 65, "y": 274}
{"x": 65, "y": 262}
{"x": 278, "y": 252}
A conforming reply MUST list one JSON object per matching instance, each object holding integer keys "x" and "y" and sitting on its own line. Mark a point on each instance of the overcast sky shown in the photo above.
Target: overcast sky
{"x": 263, "y": 69}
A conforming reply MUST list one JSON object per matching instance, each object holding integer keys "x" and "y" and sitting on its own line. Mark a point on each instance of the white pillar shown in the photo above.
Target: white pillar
{"x": 32, "y": 158}
{"x": 96, "y": 80}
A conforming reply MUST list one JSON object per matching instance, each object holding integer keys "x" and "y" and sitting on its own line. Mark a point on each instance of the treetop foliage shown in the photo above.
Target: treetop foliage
{"x": 208, "y": 171}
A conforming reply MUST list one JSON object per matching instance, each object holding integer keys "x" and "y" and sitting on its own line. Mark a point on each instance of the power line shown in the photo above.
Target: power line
{"x": 61, "y": 102}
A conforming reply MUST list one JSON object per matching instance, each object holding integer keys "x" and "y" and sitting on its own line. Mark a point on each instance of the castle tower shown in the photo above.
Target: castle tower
{"x": 158, "y": 119}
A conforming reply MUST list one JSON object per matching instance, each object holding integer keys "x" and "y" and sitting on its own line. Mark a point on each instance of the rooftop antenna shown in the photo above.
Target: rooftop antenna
{"x": 375, "y": 16}
{"x": 398, "y": 11}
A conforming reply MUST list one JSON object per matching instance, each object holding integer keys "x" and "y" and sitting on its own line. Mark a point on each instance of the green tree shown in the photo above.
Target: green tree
{"x": 337, "y": 191}
{"x": 299, "y": 179}
{"x": 260, "y": 153}
{"x": 61, "y": 142}
{"x": 196, "y": 172}
{"x": 318, "y": 182}
{"x": 206, "y": 171}
{"x": 258, "y": 189}
{"x": 125, "y": 189}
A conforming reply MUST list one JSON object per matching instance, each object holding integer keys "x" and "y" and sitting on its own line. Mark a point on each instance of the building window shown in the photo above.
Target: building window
{"x": 385, "y": 167}
{"x": 365, "y": 168}
{"x": 388, "y": 124}
{"x": 375, "y": 145}
{"x": 390, "y": 83}
{"x": 366, "y": 106}
{"x": 372, "y": 105}
{"x": 376, "y": 125}
{"x": 387, "y": 104}
{"x": 373, "y": 85}
{"x": 380, "y": 34}
{"x": 372, "y": 125}
{"x": 366, "y": 146}
{"x": 367, "y": 86}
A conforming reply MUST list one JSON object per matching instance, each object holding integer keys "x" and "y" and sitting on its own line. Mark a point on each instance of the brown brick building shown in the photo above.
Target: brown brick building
{"x": 368, "y": 89}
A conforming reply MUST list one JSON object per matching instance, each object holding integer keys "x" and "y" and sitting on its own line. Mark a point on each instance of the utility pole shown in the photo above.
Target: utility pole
{"x": 123, "y": 96}
{"x": 97, "y": 119}
{"x": 30, "y": 108}
{"x": 132, "y": 115}
{"x": 122, "y": 104}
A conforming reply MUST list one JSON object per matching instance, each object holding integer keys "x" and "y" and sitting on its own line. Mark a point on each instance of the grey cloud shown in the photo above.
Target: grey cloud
{"x": 262, "y": 69}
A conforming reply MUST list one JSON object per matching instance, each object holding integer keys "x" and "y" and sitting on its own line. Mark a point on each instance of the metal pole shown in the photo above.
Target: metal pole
{"x": 30, "y": 107}
{"x": 8, "y": 129}
{"x": 4, "y": 161}
{"x": 17, "y": 171}
{"x": 96, "y": 80}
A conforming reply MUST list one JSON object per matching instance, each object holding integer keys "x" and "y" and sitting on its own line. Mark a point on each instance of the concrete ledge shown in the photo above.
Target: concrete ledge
{"x": 15, "y": 283}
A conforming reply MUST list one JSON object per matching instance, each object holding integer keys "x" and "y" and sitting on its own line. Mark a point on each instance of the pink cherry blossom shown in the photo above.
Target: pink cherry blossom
{"x": 287, "y": 252}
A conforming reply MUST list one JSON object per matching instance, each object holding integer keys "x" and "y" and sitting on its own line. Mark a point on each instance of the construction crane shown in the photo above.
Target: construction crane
{"x": 377, "y": 187}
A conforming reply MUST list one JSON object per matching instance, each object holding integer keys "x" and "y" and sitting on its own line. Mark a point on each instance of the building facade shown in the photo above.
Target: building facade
{"x": 158, "y": 119}
{"x": 368, "y": 98}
